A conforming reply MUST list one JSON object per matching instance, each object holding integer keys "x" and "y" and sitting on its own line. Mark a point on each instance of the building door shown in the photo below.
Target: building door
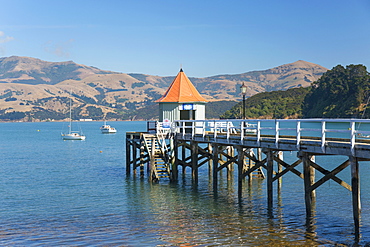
{"x": 187, "y": 115}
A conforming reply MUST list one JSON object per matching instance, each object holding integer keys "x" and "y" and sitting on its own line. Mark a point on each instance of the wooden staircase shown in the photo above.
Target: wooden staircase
{"x": 258, "y": 173}
{"x": 250, "y": 162}
{"x": 159, "y": 157}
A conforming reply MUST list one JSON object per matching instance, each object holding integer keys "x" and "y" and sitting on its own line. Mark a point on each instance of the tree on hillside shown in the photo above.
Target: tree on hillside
{"x": 276, "y": 104}
{"x": 340, "y": 92}
{"x": 216, "y": 108}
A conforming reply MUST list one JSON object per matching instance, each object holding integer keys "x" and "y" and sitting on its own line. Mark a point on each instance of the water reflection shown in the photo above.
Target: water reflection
{"x": 184, "y": 214}
{"x": 246, "y": 215}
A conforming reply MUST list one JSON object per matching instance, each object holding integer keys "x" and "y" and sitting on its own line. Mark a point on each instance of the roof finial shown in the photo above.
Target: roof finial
{"x": 181, "y": 68}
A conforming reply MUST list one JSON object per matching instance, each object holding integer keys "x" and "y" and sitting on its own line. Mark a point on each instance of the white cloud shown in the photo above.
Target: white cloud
{"x": 4, "y": 38}
{"x": 60, "y": 49}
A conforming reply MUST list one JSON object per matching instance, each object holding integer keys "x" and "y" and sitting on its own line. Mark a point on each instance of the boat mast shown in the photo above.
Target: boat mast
{"x": 70, "y": 113}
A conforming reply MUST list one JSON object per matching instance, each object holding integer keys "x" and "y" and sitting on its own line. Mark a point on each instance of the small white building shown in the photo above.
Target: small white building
{"x": 181, "y": 101}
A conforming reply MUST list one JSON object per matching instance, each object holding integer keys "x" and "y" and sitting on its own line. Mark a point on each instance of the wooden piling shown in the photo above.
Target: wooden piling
{"x": 309, "y": 180}
{"x": 183, "y": 155}
{"x": 249, "y": 166}
{"x": 280, "y": 169}
{"x": 194, "y": 161}
{"x": 356, "y": 202}
{"x": 134, "y": 155}
{"x": 128, "y": 155}
{"x": 210, "y": 151}
{"x": 142, "y": 154}
{"x": 270, "y": 171}
{"x": 175, "y": 164}
{"x": 230, "y": 167}
{"x": 215, "y": 166}
{"x": 240, "y": 169}
{"x": 152, "y": 160}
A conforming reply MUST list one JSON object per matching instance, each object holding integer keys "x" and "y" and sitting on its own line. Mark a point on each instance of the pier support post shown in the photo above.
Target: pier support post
{"x": 152, "y": 160}
{"x": 142, "y": 153}
{"x": 174, "y": 161}
{"x": 240, "y": 169}
{"x": 183, "y": 155}
{"x": 210, "y": 151}
{"x": 134, "y": 156}
{"x": 309, "y": 180}
{"x": 270, "y": 172}
{"x": 280, "y": 169}
{"x": 230, "y": 167}
{"x": 215, "y": 166}
{"x": 356, "y": 202}
{"x": 249, "y": 165}
{"x": 194, "y": 161}
{"x": 259, "y": 154}
{"x": 128, "y": 157}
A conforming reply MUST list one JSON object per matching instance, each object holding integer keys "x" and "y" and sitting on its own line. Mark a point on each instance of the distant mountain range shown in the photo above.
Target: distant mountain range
{"x": 31, "y": 85}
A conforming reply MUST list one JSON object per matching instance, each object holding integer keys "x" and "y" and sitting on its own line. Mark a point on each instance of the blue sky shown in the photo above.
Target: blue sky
{"x": 206, "y": 38}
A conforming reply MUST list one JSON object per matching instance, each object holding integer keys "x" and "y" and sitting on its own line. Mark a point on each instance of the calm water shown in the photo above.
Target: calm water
{"x": 76, "y": 193}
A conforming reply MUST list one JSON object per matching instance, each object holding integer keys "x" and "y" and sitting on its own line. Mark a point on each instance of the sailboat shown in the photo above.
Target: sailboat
{"x": 72, "y": 135}
{"x": 107, "y": 129}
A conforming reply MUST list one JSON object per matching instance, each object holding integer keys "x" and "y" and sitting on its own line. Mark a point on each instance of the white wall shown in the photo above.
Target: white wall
{"x": 171, "y": 111}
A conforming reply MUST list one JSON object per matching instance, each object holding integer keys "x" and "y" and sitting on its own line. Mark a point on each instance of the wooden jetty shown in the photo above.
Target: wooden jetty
{"x": 256, "y": 148}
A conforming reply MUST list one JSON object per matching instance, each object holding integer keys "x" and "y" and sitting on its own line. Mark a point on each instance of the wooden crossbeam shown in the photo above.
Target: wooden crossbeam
{"x": 204, "y": 151}
{"x": 330, "y": 175}
{"x": 203, "y": 162}
{"x": 288, "y": 168}
{"x": 254, "y": 158}
{"x": 250, "y": 170}
{"x": 251, "y": 157}
{"x": 226, "y": 155}
{"x": 262, "y": 163}
{"x": 181, "y": 162}
{"x": 232, "y": 160}
{"x": 256, "y": 166}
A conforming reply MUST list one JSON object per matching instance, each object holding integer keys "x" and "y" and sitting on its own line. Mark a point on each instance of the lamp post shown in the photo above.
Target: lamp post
{"x": 243, "y": 88}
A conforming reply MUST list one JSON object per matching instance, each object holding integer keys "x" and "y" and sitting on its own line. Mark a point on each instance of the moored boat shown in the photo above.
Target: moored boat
{"x": 107, "y": 129}
{"x": 72, "y": 135}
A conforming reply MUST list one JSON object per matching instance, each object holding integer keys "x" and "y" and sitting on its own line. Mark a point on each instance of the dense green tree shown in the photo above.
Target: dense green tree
{"x": 216, "y": 108}
{"x": 42, "y": 114}
{"x": 94, "y": 112}
{"x": 12, "y": 116}
{"x": 276, "y": 104}
{"x": 340, "y": 92}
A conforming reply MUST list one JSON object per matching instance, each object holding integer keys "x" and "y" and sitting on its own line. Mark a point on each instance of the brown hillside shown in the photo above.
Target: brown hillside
{"x": 26, "y": 83}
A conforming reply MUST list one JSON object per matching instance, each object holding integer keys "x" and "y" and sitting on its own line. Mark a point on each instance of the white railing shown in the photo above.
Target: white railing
{"x": 322, "y": 129}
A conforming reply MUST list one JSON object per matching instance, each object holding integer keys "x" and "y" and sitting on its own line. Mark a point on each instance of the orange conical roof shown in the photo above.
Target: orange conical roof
{"x": 181, "y": 90}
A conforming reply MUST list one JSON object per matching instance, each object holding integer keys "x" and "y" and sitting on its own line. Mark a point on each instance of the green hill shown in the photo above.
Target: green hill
{"x": 269, "y": 105}
{"x": 340, "y": 93}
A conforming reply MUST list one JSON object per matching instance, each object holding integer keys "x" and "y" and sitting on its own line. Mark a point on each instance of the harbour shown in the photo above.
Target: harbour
{"x": 69, "y": 193}
{"x": 105, "y": 141}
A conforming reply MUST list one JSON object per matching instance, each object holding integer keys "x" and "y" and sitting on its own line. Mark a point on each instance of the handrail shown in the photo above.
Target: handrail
{"x": 318, "y": 128}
